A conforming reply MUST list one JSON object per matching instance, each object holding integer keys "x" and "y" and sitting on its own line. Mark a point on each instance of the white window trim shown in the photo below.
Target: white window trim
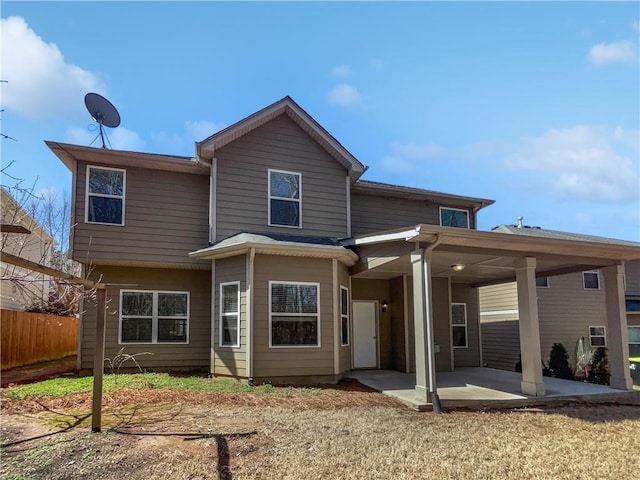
{"x": 299, "y": 200}
{"x": 544, "y": 286}
{"x": 316, "y": 315}
{"x": 466, "y": 325}
{"x": 345, "y": 316}
{"x": 104, "y": 195}
{"x": 221, "y": 314}
{"x": 584, "y": 283}
{"x": 458, "y": 210}
{"x": 154, "y": 318}
{"x": 604, "y": 335}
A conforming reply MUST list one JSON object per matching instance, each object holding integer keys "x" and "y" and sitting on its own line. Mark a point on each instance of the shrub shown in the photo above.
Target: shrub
{"x": 559, "y": 362}
{"x": 599, "y": 367}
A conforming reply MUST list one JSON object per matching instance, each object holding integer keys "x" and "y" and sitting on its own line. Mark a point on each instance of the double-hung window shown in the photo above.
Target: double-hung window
{"x": 634, "y": 340}
{"x": 459, "y": 335}
{"x": 153, "y": 316}
{"x": 294, "y": 317}
{"x": 230, "y": 314}
{"x": 285, "y": 199}
{"x": 344, "y": 316}
{"x": 454, "y": 217}
{"x": 105, "y": 195}
{"x": 591, "y": 280}
{"x": 597, "y": 336}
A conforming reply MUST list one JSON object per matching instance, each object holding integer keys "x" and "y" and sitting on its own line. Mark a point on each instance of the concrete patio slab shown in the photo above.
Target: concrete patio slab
{"x": 481, "y": 388}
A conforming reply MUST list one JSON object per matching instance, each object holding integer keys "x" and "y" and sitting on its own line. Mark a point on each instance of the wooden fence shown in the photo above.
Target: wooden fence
{"x": 27, "y": 338}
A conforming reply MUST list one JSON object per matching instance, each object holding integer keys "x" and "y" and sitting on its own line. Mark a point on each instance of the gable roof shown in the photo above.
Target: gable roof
{"x": 558, "y": 235}
{"x": 206, "y": 149}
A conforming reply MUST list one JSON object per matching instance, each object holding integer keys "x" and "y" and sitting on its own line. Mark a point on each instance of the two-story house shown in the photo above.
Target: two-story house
{"x": 266, "y": 257}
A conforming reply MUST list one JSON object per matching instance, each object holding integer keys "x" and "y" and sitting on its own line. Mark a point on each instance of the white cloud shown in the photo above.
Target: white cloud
{"x": 345, "y": 95}
{"x": 413, "y": 151}
{"x": 341, "y": 71}
{"x": 120, "y": 138}
{"x": 583, "y": 163}
{"x": 376, "y": 64}
{"x": 411, "y": 158}
{"x": 615, "y": 52}
{"x": 183, "y": 143}
{"x": 41, "y": 84}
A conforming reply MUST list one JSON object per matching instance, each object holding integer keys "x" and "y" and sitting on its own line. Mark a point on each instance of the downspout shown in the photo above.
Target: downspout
{"x": 249, "y": 299}
{"x": 433, "y": 391}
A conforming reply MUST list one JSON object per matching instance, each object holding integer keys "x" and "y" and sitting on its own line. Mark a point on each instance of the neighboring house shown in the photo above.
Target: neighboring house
{"x": 267, "y": 258}
{"x": 21, "y": 288}
{"x": 570, "y": 307}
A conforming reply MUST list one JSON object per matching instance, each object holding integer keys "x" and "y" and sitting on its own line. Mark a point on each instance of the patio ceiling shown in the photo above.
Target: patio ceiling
{"x": 488, "y": 257}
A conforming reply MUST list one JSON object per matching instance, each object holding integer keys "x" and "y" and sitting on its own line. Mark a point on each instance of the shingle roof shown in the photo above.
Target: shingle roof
{"x": 544, "y": 233}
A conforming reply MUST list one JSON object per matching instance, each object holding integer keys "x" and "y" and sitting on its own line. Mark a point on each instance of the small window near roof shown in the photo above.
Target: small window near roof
{"x": 542, "y": 282}
{"x": 285, "y": 199}
{"x": 597, "y": 336}
{"x": 105, "y": 195}
{"x": 591, "y": 280}
{"x": 454, "y": 217}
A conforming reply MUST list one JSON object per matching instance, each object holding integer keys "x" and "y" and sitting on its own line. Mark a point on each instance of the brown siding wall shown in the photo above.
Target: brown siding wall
{"x": 194, "y": 355}
{"x": 441, "y": 323}
{"x": 501, "y": 344}
{"x": 398, "y": 347}
{"x": 242, "y": 182}
{"x": 470, "y": 356}
{"x": 271, "y": 363}
{"x": 166, "y": 217}
{"x": 370, "y": 213}
{"x": 632, "y": 274}
{"x": 345, "y": 351}
{"x": 229, "y": 360}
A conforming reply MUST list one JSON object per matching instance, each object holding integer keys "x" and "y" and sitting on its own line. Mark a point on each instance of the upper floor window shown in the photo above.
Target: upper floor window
{"x": 105, "y": 195}
{"x": 285, "y": 199}
{"x": 154, "y": 317}
{"x": 591, "y": 280}
{"x": 454, "y": 217}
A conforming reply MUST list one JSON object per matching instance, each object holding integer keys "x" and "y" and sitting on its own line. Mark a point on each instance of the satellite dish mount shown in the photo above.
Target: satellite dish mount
{"x": 103, "y": 112}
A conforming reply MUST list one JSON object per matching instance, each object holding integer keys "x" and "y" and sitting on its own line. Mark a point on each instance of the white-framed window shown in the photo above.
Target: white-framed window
{"x": 294, "y": 314}
{"x": 285, "y": 199}
{"x": 542, "y": 282}
{"x": 591, "y": 280}
{"x": 229, "y": 314}
{"x": 597, "y": 336}
{"x": 151, "y": 316}
{"x": 459, "y": 337}
{"x": 105, "y": 191}
{"x": 634, "y": 340}
{"x": 344, "y": 316}
{"x": 454, "y": 217}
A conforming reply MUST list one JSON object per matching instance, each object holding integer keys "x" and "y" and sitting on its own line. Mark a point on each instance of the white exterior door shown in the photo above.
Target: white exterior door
{"x": 365, "y": 335}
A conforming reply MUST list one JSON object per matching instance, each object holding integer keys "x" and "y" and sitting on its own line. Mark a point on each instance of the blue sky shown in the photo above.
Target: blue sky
{"x": 535, "y": 105}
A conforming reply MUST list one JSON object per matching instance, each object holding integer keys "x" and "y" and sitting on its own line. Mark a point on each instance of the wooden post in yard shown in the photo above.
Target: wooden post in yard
{"x": 98, "y": 360}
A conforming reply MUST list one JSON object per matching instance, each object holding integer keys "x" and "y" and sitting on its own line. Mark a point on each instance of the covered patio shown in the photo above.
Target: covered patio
{"x": 483, "y": 388}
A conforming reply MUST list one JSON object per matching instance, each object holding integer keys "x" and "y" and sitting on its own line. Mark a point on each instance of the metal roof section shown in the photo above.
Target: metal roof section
{"x": 318, "y": 247}
{"x": 286, "y": 106}
{"x": 411, "y": 193}
{"x": 70, "y": 154}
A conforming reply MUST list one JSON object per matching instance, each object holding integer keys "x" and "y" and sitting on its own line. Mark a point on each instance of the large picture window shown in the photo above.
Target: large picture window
{"x": 294, "y": 314}
{"x": 230, "y": 314}
{"x": 459, "y": 325}
{"x": 105, "y": 195}
{"x": 153, "y": 316}
{"x": 285, "y": 199}
{"x": 344, "y": 316}
{"x": 454, "y": 217}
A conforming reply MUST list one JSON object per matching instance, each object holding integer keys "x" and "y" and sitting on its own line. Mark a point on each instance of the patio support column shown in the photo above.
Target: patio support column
{"x": 423, "y": 318}
{"x": 617, "y": 336}
{"x": 532, "y": 382}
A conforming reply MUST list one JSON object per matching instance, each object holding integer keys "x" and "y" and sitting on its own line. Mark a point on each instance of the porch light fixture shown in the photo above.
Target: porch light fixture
{"x": 385, "y": 306}
{"x": 458, "y": 267}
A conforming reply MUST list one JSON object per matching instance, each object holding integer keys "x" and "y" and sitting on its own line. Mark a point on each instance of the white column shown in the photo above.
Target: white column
{"x": 423, "y": 325}
{"x": 532, "y": 382}
{"x": 617, "y": 335}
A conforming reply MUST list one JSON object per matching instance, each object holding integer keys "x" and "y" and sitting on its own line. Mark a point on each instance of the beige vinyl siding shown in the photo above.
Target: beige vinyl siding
{"x": 271, "y": 363}
{"x": 398, "y": 346}
{"x": 194, "y": 355}
{"x": 632, "y": 277}
{"x": 166, "y": 217}
{"x": 370, "y": 213}
{"x": 470, "y": 356}
{"x": 242, "y": 182}
{"x": 501, "y": 344}
{"x": 345, "y": 351}
{"x": 230, "y": 361}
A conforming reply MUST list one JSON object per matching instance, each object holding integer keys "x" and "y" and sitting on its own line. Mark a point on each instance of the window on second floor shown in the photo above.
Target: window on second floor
{"x": 591, "y": 280}
{"x": 285, "y": 199}
{"x": 105, "y": 195}
{"x": 454, "y": 217}
{"x": 542, "y": 282}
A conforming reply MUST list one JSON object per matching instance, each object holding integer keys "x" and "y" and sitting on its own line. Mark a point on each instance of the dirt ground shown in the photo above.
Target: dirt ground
{"x": 38, "y": 371}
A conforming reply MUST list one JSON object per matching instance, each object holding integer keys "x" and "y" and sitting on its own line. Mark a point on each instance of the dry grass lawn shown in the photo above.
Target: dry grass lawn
{"x": 343, "y": 434}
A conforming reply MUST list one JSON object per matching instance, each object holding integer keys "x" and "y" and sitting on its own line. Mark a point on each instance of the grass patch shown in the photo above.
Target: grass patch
{"x": 60, "y": 387}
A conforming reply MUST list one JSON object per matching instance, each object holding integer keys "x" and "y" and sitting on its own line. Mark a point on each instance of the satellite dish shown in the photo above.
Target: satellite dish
{"x": 103, "y": 112}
